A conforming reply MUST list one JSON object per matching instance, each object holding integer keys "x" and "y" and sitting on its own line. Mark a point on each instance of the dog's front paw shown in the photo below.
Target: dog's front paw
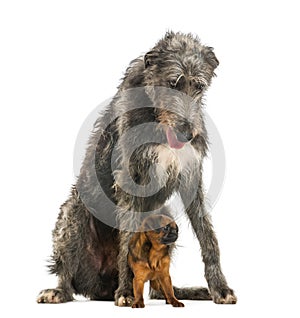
{"x": 124, "y": 298}
{"x": 176, "y": 303}
{"x": 223, "y": 296}
{"x": 138, "y": 304}
{"x": 53, "y": 296}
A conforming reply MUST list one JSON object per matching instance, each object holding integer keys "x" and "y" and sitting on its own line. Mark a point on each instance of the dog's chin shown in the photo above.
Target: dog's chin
{"x": 172, "y": 139}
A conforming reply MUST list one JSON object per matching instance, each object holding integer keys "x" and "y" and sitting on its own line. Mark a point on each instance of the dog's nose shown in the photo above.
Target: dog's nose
{"x": 184, "y": 136}
{"x": 173, "y": 237}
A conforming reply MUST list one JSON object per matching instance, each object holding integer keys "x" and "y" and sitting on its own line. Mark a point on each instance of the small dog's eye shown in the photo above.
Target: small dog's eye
{"x": 166, "y": 228}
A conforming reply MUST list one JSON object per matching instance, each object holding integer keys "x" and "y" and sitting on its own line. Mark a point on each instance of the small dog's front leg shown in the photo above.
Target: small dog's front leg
{"x": 138, "y": 290}
{"x": 166, "y": 285}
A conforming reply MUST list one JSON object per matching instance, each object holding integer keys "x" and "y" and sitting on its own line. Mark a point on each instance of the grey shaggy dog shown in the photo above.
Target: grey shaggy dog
{"x": 91, "y": 236}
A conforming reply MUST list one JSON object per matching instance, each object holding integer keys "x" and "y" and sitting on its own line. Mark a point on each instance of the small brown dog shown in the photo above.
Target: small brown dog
{"x": 149, "y": 258}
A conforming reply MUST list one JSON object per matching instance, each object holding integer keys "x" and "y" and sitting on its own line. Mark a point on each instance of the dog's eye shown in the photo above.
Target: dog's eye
{"x": 200, "y": 87}
{"x": 173, "y": 83}
{"x": 166, "y": 228}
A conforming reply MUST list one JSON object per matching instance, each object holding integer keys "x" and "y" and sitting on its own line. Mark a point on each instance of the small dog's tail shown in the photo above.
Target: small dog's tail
{"x": 190, "y": 293}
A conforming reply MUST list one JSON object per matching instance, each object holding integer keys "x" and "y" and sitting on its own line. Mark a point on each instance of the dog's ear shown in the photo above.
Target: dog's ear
{"x": 150, "y": 57}
{"x": 148, "y": 226}
{"x": 210, "y": 56}
{"x": 139, "y": 246}
{"x": 169, "y": 35}
{"x": 152, "y": 222}
{"x": 134, "y": 246}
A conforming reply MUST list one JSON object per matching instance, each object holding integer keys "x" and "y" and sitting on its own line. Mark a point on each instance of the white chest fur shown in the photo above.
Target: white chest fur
{"x": 184, "y": 158}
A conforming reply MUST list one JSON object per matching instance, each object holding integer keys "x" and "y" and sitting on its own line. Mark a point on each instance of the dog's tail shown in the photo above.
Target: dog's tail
{"x": 190, "y": 293}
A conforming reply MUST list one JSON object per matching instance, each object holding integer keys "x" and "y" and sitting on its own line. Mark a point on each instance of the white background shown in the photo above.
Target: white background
{"x": 60, "y": 59}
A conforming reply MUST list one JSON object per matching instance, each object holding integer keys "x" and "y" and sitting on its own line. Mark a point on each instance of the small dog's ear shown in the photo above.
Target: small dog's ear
{"x": 151, "y": 223}
{"x": 210, "y": 56}
{"x": 146, "y": 227}
{"x": 150, "y": 57}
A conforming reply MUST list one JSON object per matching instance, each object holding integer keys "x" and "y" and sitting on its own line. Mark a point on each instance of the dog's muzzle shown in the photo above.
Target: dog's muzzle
{"x": 170, "y": 237}
{"x": 177, "y": 139}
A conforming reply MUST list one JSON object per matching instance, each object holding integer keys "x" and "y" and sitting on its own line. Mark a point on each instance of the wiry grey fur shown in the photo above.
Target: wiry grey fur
{"x": 90, "y": 257}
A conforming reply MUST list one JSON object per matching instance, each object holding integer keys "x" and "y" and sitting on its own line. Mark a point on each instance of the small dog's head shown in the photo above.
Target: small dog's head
{"x": 160, "y": 229}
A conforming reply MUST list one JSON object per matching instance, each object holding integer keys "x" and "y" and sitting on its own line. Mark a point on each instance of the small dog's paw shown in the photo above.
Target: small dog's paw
{"x": 123, "y": 301}
{"x": 176, "y": 303}
{"x": 53, "y": 296}
{"x": 138, "y": 304}
{"x": 224, "y": 296}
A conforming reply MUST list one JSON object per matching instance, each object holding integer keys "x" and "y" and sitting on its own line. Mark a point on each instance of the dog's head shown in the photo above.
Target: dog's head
{"x": 179, "y": 61}
{"x": 160, "y": 229}
{"x": 177, "y": 72}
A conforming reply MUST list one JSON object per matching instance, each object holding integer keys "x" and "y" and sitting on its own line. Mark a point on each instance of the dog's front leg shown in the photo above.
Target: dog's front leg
{"x": 200, "y": 220}
{"x": 124, "y": 293}
{"x": 166, "y": 284}
{"x": 138, "y": 287}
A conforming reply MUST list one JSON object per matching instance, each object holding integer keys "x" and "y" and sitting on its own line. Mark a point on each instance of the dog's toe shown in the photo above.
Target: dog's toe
{"x": 224, "y": 296}
{"x": 123, "y": 301}
{"x": 53, "y": 296}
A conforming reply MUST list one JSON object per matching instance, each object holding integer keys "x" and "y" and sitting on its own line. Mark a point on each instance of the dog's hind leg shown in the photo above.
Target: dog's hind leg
{"x": 67, "y": 247}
